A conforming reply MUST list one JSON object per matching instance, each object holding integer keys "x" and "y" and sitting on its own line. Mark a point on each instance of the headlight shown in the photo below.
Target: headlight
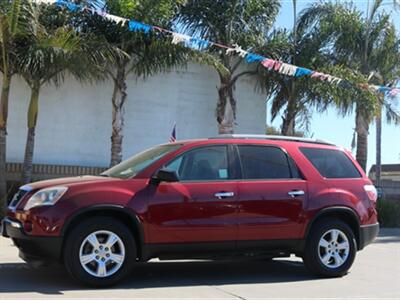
{"x": 45, "y": 197}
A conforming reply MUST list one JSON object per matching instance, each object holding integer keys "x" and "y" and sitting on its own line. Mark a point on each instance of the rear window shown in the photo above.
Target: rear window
{"x": 331, "y": 163}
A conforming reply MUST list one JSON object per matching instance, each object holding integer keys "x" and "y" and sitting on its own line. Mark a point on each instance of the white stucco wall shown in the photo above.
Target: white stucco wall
{"x": 74, "y": 124}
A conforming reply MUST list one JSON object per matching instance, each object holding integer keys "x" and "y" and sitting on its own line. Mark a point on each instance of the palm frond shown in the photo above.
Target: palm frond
{"x": 15, "y": 15}
{"x": 243, "y": 22}
{"x": 392, "y": 113}
{"x": 210, "y": 60}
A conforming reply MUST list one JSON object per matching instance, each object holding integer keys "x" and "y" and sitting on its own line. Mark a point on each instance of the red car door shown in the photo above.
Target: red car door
{"x": 271, "y": 194}
{"x": 202, "y": 206}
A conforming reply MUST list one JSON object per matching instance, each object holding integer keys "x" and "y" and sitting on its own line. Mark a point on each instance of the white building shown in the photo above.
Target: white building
{"x": 74, "y": 124}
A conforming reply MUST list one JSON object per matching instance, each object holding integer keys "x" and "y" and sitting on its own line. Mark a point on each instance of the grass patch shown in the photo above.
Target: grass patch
{"x": 388, "y": 213}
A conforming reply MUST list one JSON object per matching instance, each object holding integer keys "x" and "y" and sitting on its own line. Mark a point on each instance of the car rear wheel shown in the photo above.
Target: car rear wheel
{"x": 331, "y": 248}
{"x": 100, "y": 252}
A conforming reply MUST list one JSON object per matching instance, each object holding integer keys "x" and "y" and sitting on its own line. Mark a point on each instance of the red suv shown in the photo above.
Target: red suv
{"x": 225, "y": 197}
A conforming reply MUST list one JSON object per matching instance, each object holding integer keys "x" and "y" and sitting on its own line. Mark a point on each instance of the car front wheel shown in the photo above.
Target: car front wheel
{"x": 100, "y": 252}
{"x": 331, "y": 248}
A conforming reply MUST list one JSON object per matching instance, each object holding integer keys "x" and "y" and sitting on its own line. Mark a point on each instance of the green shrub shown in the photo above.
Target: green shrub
{"x": 388, "y": 213}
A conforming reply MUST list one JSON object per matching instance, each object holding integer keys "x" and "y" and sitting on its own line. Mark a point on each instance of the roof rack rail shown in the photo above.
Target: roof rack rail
{"x": 272, "y": 137}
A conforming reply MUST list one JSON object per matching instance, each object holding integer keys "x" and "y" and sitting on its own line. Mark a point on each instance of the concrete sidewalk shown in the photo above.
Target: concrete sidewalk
{"x": 375, "y": 274}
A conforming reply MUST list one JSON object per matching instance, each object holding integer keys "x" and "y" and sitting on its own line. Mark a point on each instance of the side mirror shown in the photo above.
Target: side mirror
{"x": 165, "y": 175}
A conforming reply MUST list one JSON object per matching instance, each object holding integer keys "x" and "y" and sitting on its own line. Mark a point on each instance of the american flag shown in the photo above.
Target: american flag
{"x": 172, "y": 138}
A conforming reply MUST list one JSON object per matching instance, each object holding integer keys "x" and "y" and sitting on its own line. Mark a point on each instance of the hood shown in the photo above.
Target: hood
{"x": 66, "y": 181}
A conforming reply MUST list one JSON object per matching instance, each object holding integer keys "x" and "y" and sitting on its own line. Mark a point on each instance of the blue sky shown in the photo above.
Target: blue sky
{"x": 332, "y": 127}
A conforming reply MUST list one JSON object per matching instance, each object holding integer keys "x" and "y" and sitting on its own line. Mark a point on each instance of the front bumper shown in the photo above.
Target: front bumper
{"x": 32, "y": 248}
{"x": 368, "y": 233}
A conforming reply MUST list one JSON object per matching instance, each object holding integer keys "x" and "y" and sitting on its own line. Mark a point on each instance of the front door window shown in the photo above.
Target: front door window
{"x": 203, "y": 164}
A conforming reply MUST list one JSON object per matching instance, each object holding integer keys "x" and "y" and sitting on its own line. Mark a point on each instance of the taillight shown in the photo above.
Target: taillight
{"x": 371, "y": 192}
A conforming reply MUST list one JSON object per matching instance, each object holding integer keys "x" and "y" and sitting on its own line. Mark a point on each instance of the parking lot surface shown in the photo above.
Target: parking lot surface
{"x": 375, "y": 274}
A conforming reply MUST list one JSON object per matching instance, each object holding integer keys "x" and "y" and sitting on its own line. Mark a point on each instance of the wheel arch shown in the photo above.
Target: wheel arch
{"x": 118, "y": 212}
{"x": 343, "y": 213}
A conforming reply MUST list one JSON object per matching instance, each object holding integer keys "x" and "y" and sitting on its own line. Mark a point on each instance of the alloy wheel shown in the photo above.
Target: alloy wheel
{"x": 102, "y": 253}
{"x": 333, "y": 248}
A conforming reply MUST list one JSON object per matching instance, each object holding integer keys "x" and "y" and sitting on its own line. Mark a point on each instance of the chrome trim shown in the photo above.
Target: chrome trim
{"x": 26, "y": 188}
{"x": 296, "y": 193}
{"x": 223, "y": 195}
{"x": 14, "y": 224}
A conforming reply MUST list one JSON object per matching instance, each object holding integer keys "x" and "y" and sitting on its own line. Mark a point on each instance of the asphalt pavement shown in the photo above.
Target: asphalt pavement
{"x": 375, "y": 274}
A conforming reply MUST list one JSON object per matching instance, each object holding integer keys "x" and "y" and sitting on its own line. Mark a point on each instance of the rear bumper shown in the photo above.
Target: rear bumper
{"x": 32, "y": 248}
{"x": 368, "y": 233}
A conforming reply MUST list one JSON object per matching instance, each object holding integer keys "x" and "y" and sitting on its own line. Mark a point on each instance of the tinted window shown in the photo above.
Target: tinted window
{"x": 259, "y": 162}
{"x": 331, "y": 163}
{"x": 294, "y": 169}
{"x": 132, "y": 166}
{"x": 208, "y": 163}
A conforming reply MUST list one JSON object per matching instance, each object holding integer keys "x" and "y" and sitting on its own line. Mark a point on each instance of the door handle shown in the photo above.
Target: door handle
{"x": 296, "y": 193}
{"x": 222, "y": 195}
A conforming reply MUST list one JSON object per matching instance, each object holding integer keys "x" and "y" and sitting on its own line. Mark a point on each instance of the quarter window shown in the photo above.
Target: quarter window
{"x": 331, "y": 163}
{"x": 263, "y": 162}
{"x": 202, "y": 164}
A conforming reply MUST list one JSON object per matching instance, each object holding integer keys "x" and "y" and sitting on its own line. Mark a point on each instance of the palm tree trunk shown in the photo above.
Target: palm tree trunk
{"x": 289, "y": 118}
{"x": 288, "y": 125}
{"x": 362, "y": 127}
{"x": 118, "y": 101}
{"x": 5, "y": 94}
{"x": 226, "y": 106}
{"x": 3, "y": 181}
{"x": 30, "y": 140}
{"x": 28, "y": 158}
{"x": 378, "y": 149}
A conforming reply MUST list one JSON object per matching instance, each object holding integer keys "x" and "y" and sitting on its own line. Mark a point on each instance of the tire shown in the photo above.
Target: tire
{"x": 338, "y": 258}
{"x": 101, "y": 266}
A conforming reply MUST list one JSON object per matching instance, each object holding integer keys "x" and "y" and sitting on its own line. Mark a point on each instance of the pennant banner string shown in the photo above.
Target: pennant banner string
{"x": 200, "y": 44}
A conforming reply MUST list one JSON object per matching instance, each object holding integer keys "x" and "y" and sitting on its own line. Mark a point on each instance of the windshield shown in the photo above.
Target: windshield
{"x": 132, "y": 166}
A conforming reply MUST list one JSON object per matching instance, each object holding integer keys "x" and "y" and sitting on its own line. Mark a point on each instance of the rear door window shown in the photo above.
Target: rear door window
{"x": 264, "y": 162}
{"x": 331, "y": 163}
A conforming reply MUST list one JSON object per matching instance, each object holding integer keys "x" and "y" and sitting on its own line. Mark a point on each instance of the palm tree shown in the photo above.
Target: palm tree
{"x": 145, "y": 53}
{"x": 14, "y": 19}
{"x": 385, "y": 106}
{"x": 389, "y": 72}
{"x": 359, "y": 43}
{"x": 298, "y": 96}
{"x": 56, "y": 49}
{"x": 246, "y": 23}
